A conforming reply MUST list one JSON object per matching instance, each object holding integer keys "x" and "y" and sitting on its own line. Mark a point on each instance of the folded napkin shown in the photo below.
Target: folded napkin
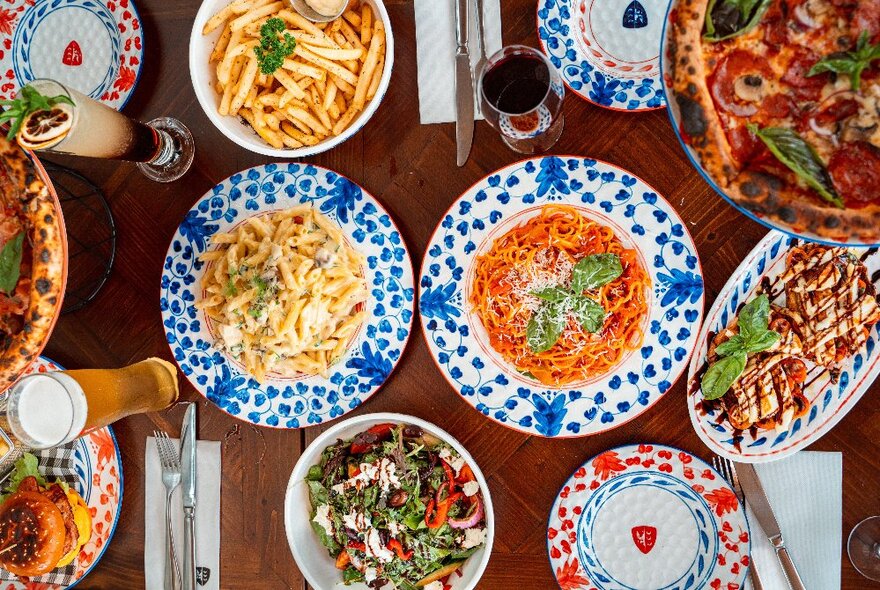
{"x": 435, "y": 40}
{"x": 207, "y": 540}
{"x": 805, "y": 491}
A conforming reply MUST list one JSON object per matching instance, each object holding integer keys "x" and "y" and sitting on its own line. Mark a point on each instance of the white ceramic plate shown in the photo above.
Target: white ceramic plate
{"x": 829, "y": 401}
{"x": 313, "y": 559}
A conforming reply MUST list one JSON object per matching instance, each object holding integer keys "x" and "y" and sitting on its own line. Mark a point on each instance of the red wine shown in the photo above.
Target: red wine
{"x": 517, "y": 84}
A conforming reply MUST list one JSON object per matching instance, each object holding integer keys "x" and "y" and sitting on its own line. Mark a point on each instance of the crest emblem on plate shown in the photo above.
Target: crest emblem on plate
{"x": 644, "y": 537}
{"x": 72, "y": 54}
{"x": 635, "y": 17}
{"x": 203, "y": 574}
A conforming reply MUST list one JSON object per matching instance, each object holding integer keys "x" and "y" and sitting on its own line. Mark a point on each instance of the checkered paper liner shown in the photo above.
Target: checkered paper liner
{"x": 56, "y": 465}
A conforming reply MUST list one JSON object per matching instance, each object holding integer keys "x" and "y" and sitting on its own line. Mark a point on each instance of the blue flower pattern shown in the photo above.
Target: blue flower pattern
{"x": 670, "y": 334}
{"x": 855, "y": 377}
{"x": 556, "y": 28}
{"x": 290, "y": 403}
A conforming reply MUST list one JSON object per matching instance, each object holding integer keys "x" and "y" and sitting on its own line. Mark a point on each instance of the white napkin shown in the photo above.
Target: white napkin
{"x": 805, "y": 491}
{"x": 435, "y": 38}
{"x": 207, "y": 540}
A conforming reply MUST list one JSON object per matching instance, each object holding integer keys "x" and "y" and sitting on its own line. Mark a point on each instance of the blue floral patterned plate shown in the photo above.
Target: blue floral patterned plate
{"x": 607, "y": 52}
{"x": 375, "y": 350}
{"x": 641, "y": 219}
{"x": 829, "y": 401}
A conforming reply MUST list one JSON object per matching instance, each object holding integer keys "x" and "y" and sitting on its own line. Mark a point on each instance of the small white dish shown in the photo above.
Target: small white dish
{"x": 313, "y": 559}
{"x": 302, "y": 7}
{"x": 204, "y": 76}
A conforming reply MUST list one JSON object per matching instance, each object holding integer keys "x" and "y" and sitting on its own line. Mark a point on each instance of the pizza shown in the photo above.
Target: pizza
{"x": 32, "y": 261}
{"x": 779, "y": 100}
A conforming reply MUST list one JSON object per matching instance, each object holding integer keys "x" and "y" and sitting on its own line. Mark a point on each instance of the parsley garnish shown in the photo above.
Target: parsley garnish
{"x": 30, "y": 101}
{"x": 851, "y": 63}
{"x": 273, "y": 50}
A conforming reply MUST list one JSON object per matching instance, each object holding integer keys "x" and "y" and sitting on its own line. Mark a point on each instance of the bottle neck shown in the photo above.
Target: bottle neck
{"x": 167, "y": 149}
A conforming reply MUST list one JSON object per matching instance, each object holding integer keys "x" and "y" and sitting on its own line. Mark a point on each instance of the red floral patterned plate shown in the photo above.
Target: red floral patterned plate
{"x": 97, "y": 459}
{"x": 647, "y": 517}
{"x": 95, "y": 46}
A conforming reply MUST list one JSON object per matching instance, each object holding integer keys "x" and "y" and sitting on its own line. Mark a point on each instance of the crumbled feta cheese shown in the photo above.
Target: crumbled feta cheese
{"x": 357, "y": 521}
{"x": 338, "y": 488}
{"x": 435, "y": 585}
{"x": 470, "y": 488}
{"x": 472, "y": 538}
{"x": 375, "y": 548}
{"x": 456, "y": 463}
{"x": 394, "y": 528}
{"x": 370, "y": 471}
{"x": 388, "y": 474}
{"x": 370, "y": 574}
{"x": 322, "y": 517}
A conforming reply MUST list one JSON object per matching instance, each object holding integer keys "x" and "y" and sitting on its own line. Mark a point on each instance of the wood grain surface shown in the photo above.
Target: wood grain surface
{"x": 411, "y": 169}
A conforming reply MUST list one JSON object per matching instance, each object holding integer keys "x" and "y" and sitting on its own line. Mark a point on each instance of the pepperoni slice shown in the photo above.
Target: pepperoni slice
{"x": 836, "y": 111}
{"x": 777, "y": 106}
{"x": 796, "y": 76}
{"x": 744, "y": 146}
{"x": 734, "y": 65}
{"x": 855, "y": 172}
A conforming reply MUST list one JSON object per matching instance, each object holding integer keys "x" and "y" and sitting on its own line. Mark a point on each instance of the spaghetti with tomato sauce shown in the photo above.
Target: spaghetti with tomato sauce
{"x": 539, "y": 254}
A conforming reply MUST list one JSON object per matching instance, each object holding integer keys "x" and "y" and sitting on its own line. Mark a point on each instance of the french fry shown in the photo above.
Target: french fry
{"x": 300, "y": 22}
{"x": 271, "y": 137}
{"x": 363, "y": 84}
{"x": 244, "y": 85}
{"x": 313, "y": 41}
{"x": 328, "y": 65}
{"x": 252, "y": 15}
{"x": 353, "y": 17}
{"x": 366, "y": 24}
{"x": 220, "y": 46}
{"x": 353, "y": 37}
{"x": 304, "y": 138}
{"x": 240, "y": 49}
{"x": 377, "y": 79}
{"x": 304, "y": 69}
{"x": 308, "y": 119}
{"x": 344, "y": 86}
{"x": 289, "y": 83}
{"x": 346, "y": 119}
{"x": 235, "y": 72}
{"x": 329, "y": 94}
{"x": 337, "y": 54}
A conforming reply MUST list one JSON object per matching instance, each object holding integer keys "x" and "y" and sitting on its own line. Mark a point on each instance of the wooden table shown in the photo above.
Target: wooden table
{"x": 411, "y": 169}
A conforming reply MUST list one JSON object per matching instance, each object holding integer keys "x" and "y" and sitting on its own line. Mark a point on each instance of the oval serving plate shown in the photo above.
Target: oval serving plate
{"x": 829, "y": 402}
{"x": 97, "y": 461}
{"x": 647, "y": 516}
{"x": 607, "y": 52}
{"x": 641, "y": 219}
{"x": 374, "y": 350}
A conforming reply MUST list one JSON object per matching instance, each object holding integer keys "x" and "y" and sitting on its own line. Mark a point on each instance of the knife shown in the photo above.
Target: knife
{"x": 464, "y": 84}
{"x": 188, "y": 462}
{"x": 757, "y": 498}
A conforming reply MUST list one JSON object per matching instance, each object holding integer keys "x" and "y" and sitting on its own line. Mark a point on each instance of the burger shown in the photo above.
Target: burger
{"x": 42, "y": 526}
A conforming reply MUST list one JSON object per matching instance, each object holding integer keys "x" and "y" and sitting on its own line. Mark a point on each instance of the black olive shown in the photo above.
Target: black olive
{"x": 753, "y": 81}
{"x": 398, "y": 498}
{"x": 412, "y": 432}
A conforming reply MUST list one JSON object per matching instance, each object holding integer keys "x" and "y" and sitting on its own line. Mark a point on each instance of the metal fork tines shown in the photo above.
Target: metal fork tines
{"x": 169, "y": 457}
{"x": 728, "y": 471}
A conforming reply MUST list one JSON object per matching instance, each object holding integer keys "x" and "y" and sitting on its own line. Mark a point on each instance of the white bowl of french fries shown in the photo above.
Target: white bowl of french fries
{"x": 282, "y": 86}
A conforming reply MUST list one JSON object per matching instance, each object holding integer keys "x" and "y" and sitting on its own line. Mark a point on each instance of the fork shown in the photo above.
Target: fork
{"x": 727, "y": 470}
{"x": 170, "y": 459}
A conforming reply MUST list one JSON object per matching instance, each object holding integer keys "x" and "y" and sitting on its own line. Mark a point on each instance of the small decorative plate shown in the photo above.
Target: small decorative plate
{"x": 608, "y": 52}
{"x": 829, "y": 401}
{"x": 95, "y": 46}
{"x": 98, "y": 463}
{"x": 374, "y": 351}
{"x": 647, "y": 517}
{"x": 640, "y": 218}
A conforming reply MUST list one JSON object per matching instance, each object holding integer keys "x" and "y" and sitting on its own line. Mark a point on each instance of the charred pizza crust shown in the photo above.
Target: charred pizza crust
{"x": 765, "y": 195}
{"x": 44, "y": 227}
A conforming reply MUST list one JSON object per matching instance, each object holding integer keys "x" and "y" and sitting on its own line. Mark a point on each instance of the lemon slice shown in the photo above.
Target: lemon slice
{"x": 45, "y": 128}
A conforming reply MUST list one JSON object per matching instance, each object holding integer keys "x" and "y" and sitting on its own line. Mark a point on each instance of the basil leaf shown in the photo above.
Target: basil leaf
{"x": 545, "y": 326}
{"x": 594, "y": 271}
{"x": 800, "y": 157}
{"x": 553, "y": 294}
{"x": 721, "y": 375}
{"x": 754, "y": 317}
{"x": 589, "y": 314}
{"x": 851, "y": 63}
{"x": 762, "y": 342}
{"x": 731, "y": 18}
{"x": 735, "y": 344}
{"x": 10, "y": 264}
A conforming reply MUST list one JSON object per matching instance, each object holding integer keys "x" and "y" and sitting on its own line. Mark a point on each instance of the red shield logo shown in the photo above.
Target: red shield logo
{"x": 72, "y": 55}
{"x": 644, "y": 537}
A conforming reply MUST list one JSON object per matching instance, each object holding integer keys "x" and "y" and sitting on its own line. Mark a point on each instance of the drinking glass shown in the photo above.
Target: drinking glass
{"x": 162, "y": 148}
{"x": 863, "y": 548}
{"x": 521, "y": 96}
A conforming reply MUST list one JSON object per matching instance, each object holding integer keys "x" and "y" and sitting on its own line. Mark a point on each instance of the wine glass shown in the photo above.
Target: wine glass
{"x": 521, "y": 96}
{"x": 863, "y": 548}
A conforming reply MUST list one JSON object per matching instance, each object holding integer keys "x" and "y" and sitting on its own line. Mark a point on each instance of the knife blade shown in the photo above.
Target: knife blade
{"x": 188, "y": 439}
{"x": 757, "y": 498}
{"x": 464, "y": 84}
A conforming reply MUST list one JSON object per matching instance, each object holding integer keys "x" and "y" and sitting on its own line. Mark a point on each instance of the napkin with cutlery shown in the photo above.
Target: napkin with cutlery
{"x": 435, "y": 40}
{"x": 207, "y": 538}
{"x": 805, "y": 491}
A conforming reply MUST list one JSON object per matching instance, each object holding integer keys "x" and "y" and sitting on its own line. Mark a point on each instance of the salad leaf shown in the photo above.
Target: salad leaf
{"x": 762, "y": 342}
{"x": 553, "y": 294}
{"x": 800, "y": 157}
{"x": 722, "y": 374}
{"x": 10, "y": 263}
{"x": 26, "y": 466}
{"x": 591, "y": 272}
{"x": 730, "y": 18}
{"x": 754, "y": 317}
{"x": 589, "y": 314}
{"x": 851, "y": 63}
{"x": 545, "y": 327}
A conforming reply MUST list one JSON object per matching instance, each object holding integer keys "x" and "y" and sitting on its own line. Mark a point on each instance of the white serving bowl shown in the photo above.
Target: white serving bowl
{"x": 312, "y": 558}
{"x": 204, "y": 78}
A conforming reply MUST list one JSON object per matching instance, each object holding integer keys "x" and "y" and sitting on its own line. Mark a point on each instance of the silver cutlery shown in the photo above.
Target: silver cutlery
{"x": 464, "y": 84}
{"x": 170, "y": 460}
{"x": 728, "y": 471}
{"x": 481, "y": 29}
{"x": 188, "y": 439}
{"x": 757, "y": 498}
